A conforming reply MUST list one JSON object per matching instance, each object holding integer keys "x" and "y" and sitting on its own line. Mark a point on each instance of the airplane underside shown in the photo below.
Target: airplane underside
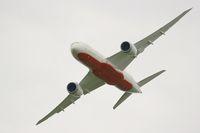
{"x": 109, "y": 70}
{"x": 106, "y": 72}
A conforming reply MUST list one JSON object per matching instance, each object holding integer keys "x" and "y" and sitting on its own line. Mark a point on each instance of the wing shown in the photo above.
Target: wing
{"x": 142, "y": 44}
{"x": 65, "y": 103}
{"x": 122, "y": 60}
{"x": 89, "y": 83}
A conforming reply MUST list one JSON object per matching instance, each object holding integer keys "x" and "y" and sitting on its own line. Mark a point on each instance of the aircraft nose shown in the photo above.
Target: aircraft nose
{"x": 76, "y": 48}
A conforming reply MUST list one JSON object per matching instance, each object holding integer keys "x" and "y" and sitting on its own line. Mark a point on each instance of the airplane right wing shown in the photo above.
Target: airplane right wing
{"x": 89, "y": 83}
{"x": 122, "y": 60}
{"x": 65, "y": 103}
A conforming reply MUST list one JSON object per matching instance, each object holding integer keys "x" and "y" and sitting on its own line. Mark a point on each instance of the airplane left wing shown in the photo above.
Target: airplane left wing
{"x": 142, "y": 44}
{"x": 121, "y": 60}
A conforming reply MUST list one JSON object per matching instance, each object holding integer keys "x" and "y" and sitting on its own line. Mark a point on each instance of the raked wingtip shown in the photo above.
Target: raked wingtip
{"x": 38, "y": 123}
{"x": 189, "y": 9}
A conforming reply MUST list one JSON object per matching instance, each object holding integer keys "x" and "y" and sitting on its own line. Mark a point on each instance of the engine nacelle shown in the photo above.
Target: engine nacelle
{"x": 74, "y": 89}
{"x": 127, "y": 47}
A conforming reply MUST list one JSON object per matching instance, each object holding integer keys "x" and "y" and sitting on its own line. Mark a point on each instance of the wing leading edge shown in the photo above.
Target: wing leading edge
{"x": 142, "y": 44}
{"x": 89, "y": 83}
{"x": 122, "y": 60}
{"x": 65, "y": 103}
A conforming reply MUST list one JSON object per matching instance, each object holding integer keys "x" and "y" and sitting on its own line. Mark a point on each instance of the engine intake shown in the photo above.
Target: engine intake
{"x": 127, "y": 47}
{"x": 74, "y": 89}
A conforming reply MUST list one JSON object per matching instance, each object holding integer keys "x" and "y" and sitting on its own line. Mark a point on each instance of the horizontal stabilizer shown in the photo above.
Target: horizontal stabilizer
{"x": 122, "y": 98}
{"x": 141, "y": 83}
{"x": 146, "y": 80}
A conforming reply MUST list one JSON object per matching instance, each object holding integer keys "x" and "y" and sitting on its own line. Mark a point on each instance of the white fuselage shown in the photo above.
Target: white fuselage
{"x": 102, "y": 68}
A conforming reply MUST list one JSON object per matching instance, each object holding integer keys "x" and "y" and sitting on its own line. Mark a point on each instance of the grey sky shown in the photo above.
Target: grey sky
{"x": 36, "y": 65}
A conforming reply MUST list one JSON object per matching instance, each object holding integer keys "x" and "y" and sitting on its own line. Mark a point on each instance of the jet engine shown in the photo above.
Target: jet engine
{"x": 127, "y": 47}
{"x": 74, "y": 89}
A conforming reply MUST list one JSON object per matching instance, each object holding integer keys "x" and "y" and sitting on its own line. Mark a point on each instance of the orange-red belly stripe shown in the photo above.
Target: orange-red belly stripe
{"x": 105, "y": 72}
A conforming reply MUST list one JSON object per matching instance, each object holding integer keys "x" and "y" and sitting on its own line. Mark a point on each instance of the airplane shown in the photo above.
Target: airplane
{"x": 109, "y": 70}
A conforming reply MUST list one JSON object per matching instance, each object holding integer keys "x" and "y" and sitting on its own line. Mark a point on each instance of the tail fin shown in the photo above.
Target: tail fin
{"x": 146, "y": 80}
{"x": 141, "y": 83}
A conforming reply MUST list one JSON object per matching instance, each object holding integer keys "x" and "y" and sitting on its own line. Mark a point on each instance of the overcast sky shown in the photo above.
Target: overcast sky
{"x": 36, "y": 64}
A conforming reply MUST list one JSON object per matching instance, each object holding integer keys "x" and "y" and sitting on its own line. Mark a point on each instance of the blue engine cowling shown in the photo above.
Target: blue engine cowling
{"x": 74, "y": 89}
{"x": 127, "y": 47}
